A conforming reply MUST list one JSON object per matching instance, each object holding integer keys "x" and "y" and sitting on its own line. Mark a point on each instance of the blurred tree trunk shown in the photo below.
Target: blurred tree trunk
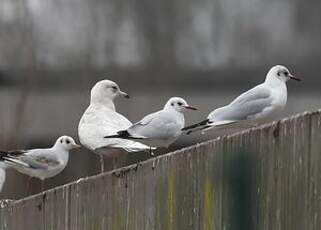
{"x": 157, "y": 23}
{"x": 29, "y": 79}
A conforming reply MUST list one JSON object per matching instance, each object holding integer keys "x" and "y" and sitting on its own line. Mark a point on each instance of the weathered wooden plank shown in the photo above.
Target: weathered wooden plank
{"x": 263, "y": 178}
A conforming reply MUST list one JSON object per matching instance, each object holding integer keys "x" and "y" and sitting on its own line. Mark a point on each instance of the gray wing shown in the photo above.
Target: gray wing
{"x": 44, "y": 158}
{"x": 145, "y": 120}
{"x": 37, "y": 159}
{"x": 160, "y": 125}
{"x": 257, "y": 93}
{"x": 245, "y": 106}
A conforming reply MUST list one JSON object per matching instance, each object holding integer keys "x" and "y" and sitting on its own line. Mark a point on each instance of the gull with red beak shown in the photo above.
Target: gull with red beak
{"x": 159, "y": 129}
{"x": 258, "y": 104}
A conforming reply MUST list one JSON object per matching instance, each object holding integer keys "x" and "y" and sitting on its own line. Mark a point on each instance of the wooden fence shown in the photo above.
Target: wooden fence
{"x": 265, "y": 178}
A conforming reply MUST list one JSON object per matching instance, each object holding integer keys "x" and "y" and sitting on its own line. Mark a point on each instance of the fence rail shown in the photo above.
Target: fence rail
{"x": 260, "y": 179}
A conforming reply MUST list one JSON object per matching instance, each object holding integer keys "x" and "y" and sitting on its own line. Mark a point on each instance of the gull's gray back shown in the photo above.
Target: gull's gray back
{"x": 159, "y": 125}
{"x": 43, "y": 158}
{"x": 248, "y": 105}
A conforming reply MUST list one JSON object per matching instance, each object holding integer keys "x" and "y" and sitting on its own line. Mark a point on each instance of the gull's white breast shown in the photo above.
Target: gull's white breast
{"x": 99, "y": 121}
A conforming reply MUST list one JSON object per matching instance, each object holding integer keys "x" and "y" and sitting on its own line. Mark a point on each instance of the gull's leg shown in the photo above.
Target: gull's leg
{"x": 102, "y": 164}
{"x": 151, "y": 151}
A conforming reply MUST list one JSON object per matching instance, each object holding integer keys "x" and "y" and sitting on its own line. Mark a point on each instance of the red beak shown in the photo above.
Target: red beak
{"x": 190, "y": 107}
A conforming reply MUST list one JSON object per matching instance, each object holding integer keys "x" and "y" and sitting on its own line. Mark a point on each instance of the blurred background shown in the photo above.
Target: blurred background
{"x": 208, "y": 51}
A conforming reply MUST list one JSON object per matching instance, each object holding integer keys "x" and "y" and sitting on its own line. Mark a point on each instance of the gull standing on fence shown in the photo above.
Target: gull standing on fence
{"x": 41, "y": 163}
{"x": 2, "y": 175}
{"x": 101, "y": 119}
{"x": 161, "y": 128}
{"x": 257, "y": 104}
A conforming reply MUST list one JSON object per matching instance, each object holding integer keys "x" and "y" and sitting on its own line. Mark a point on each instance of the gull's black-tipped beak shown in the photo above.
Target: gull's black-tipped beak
{"x": 295, "y": 78}
{"x": 190, "y": 107}
{"x": 125, "y": 95}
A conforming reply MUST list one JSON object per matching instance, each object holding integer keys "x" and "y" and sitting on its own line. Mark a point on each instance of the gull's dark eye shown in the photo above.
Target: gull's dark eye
{"x": 180, "y": 103}
{"x": 114, "y": 88}
{"x": 61, "y": 141}
{"x": 67, "y": 141}
{"x": 278, "y": 73}
{"x": 172, "y": 104}
{"x": 286, "y": 73}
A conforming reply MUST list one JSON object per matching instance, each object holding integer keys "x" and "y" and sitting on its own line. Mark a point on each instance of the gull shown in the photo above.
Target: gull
{"x": 257, "y": 104}
{"x": 2, "y": 175}
{"x": 41, "y": 163}
{"x": 101, "y": 118}
{"x": 159, "y": 129}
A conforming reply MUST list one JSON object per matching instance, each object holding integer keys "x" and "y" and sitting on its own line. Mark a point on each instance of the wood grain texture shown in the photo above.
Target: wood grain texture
{"x": 263, "y": 178}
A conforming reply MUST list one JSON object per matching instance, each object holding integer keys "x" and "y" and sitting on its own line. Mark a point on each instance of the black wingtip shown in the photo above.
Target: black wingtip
{"x": 112, "y": 136}
{"x": 205, "y": 127}
{"x": 123, "y": 133}
{"x": 3, "y": 154}
{"x": 205, "y": 122}
{"x": 120, "y": 134}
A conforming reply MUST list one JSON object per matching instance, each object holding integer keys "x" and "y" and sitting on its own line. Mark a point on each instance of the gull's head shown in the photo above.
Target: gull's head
{"x": 106, "y": 89}
{"x": 178, "y": 104}
{"x": 66, "y": 143}
{"x": 281, "y": 73}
